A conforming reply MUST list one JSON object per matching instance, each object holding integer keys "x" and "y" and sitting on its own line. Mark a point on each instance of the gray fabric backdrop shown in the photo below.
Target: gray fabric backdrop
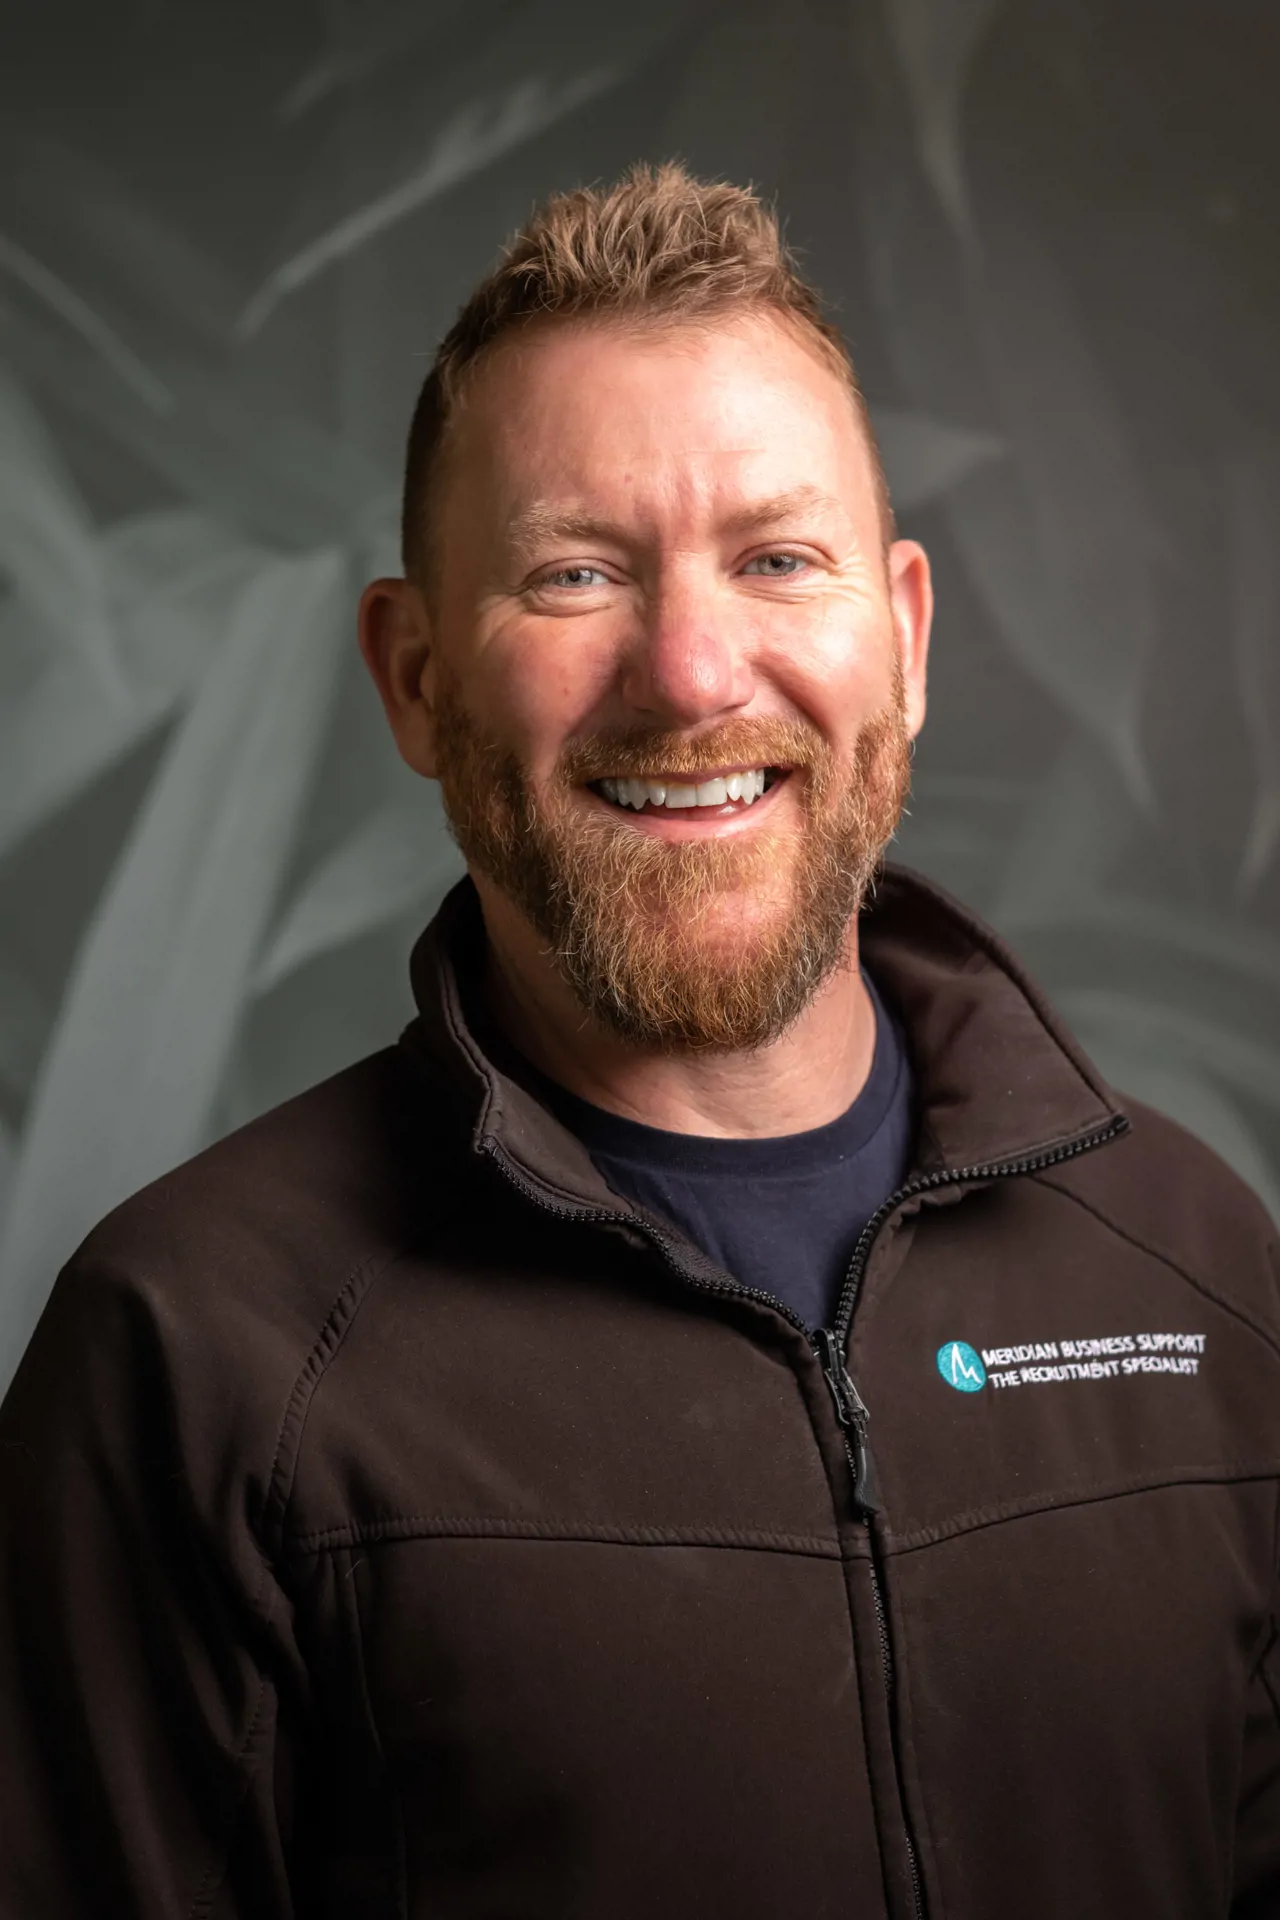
{"x": 230, "y": 235}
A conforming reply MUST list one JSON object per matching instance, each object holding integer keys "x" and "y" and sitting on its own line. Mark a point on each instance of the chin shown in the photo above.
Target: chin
{"x": 735, "y": 919}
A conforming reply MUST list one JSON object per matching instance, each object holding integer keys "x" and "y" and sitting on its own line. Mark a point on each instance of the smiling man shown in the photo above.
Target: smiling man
{"x": 451, "y": 1494}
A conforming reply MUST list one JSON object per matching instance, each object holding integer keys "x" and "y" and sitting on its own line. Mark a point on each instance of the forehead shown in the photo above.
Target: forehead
{"x": 672, "y": 423}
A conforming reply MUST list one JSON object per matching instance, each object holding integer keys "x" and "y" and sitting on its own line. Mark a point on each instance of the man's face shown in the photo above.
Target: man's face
{"x": 670, "y": 701}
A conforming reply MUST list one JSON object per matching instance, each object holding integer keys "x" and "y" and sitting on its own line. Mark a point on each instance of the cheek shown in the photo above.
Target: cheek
{"x": 836, "y": 663}
{"x": 538, "y": 682}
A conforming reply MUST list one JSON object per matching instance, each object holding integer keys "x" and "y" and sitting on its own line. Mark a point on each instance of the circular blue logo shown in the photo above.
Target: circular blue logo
{"x": 961, "y": 1367}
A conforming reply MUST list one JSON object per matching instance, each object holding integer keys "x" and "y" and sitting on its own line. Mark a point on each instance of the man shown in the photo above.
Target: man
{"x": 728, "y": 1417}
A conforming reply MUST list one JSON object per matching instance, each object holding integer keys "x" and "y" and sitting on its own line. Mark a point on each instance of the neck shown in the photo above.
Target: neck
{"x": 808, "y": 1076}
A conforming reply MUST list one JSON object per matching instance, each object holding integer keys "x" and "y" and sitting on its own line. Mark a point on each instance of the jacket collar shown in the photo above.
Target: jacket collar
{"x": 998, "y": 1078}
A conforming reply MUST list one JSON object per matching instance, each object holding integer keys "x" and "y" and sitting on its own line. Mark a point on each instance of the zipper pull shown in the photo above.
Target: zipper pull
{"x": 852, "y": 1414}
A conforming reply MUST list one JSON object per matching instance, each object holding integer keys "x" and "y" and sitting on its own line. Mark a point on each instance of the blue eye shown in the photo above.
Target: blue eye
{"x": 574, "y": 577}
{"x": 776, "y": 566}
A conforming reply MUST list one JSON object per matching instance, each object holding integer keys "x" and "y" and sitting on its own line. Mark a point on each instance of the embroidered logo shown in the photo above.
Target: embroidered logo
{"x": 1041, "y": 1363}
{"x": 961, "y": 1367}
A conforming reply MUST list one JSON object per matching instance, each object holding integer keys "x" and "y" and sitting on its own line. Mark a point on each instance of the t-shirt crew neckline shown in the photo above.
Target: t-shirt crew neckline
{"x": 754, "y": 1157}
{"x": 779, "y": 1214}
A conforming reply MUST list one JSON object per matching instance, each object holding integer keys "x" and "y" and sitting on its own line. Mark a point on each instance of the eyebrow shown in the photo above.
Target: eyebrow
{"x": 537, "y": 524}
{"x": 799, "y": 503}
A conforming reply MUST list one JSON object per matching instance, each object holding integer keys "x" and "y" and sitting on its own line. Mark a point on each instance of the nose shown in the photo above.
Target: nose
{"x": 691, "y": 662}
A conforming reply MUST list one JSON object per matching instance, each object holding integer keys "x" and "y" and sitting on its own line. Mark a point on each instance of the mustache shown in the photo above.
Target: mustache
{"x": 634, "y": 752}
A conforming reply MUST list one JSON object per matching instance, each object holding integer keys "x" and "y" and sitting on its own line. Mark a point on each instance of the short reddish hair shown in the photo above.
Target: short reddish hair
{"x": 658, "y": 247}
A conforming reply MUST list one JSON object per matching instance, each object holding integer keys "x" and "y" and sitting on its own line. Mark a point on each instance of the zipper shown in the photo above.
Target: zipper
{"x": 670, "y": 1247}
{"x": 829, "y": 1344}
{"x": 953, "y": 1177}
{"x": 851, "y": 1412}
{"x": 667, "y": 1245}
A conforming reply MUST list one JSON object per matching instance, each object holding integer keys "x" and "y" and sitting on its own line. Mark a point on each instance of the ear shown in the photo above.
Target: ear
{"x": 396, "y": 642}
{"x": 911, "y": 597}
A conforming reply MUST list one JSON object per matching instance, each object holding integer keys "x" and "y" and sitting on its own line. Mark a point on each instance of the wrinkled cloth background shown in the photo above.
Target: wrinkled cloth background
{"x": 230, "y": 236}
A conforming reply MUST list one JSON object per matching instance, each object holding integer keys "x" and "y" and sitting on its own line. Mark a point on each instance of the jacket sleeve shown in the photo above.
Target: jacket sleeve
{"x": 149, "y": 1682}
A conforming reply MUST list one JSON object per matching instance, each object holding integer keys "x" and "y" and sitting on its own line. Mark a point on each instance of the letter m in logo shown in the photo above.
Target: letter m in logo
{"x": 961, "y": 1367}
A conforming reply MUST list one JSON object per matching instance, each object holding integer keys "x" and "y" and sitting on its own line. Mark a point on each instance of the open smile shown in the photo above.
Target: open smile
{"x": 715, "y": 793}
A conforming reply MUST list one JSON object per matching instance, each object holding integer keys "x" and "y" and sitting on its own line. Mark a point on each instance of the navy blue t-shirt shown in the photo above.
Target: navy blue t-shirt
{"x": 783, "y": 1213}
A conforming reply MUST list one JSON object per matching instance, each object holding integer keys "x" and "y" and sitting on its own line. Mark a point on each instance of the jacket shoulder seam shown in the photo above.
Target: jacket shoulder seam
{"x": 324, "y": 1349}
{"x": 1220, "y": 1299}
{"x": 326, "y": 1345}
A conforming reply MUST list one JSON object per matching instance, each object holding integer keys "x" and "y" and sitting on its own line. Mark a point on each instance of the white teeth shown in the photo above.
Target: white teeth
{"x": 627, "y": 792}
